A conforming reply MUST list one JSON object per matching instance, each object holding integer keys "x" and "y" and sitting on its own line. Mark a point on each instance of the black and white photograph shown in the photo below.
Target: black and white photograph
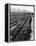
{"x": 20, "y": 22}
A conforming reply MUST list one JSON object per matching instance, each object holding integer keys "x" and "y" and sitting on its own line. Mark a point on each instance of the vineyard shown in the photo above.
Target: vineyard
{"x": 20, "y": 25}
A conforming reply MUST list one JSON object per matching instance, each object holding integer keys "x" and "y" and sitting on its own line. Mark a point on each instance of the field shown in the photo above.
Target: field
{"x": 20, "y": 24}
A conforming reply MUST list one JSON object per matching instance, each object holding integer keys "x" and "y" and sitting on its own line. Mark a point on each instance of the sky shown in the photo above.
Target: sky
{"x": 21, "y": 8}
